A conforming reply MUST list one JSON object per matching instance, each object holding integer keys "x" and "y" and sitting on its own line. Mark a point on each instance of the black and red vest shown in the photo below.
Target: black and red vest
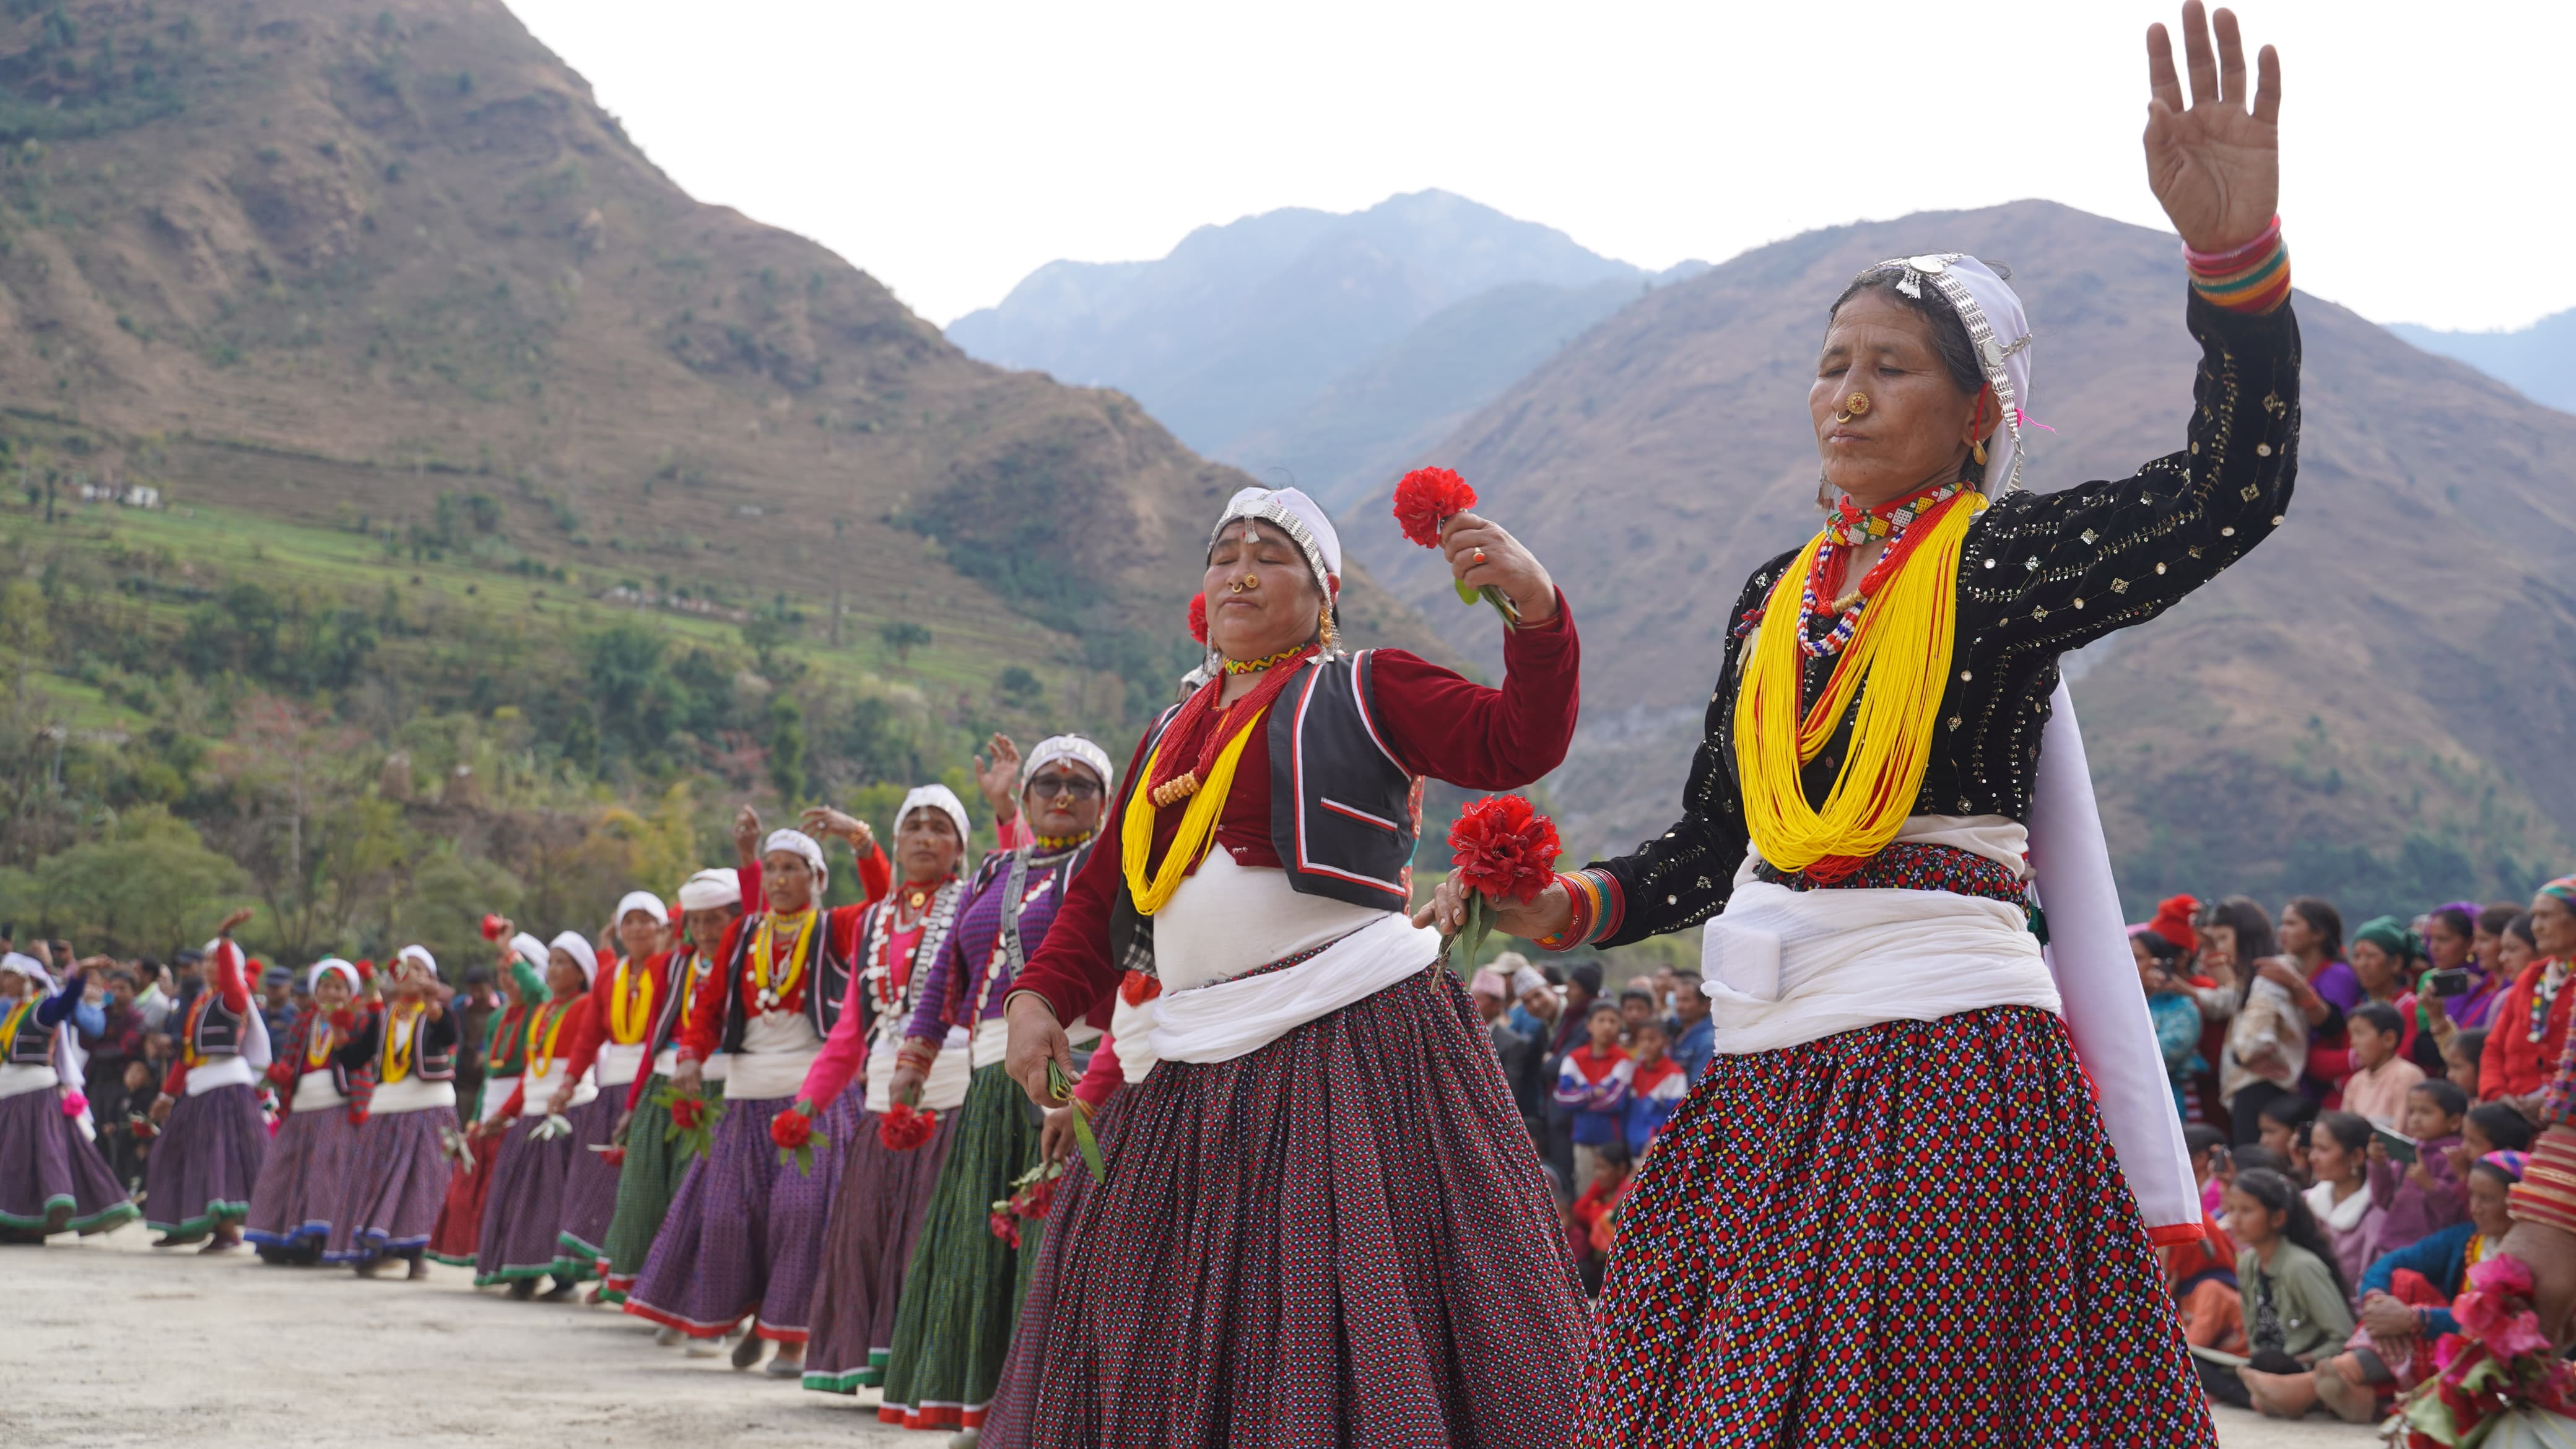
{"x": 217, "y": 1031}
{"x": 827, "y": 982}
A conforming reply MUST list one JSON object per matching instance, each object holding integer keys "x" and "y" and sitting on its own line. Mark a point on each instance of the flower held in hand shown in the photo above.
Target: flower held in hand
{"x": 1500, "y": 849}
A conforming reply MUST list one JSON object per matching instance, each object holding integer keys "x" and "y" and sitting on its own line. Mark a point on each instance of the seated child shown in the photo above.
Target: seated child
{"x": 2421, "y": 1198}
{"x": 2460, "y": 1060}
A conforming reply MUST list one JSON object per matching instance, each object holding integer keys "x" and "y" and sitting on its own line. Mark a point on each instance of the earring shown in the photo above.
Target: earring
{"x": 1331, "y": 639}
{"x": 1977, "y": 426}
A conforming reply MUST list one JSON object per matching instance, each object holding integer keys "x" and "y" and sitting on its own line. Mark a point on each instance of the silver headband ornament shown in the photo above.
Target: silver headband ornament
{"x": 1940, "y": 272}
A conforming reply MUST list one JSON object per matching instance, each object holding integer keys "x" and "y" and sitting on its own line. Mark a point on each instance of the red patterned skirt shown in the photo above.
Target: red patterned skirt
{"x": 1341, "y": 1238}
{"x": 1914, "y": 1233}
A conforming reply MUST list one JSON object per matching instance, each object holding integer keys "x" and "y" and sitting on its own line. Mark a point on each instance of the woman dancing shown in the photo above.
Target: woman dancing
{"x": 1892, "y": 1212}
{"x": 399, "y": 1177}
{"x": 304, "y": 1185}
{"x": 52, "y": 1176}
{"x": 1322, "y": 1219}
{"x": 213, "y": 1136}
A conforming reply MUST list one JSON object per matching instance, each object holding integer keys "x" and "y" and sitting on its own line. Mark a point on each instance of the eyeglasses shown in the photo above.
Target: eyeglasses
{"x": 1047, "y": 787}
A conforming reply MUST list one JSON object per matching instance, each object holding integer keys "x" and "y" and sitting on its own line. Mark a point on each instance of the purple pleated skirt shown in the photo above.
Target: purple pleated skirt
{"x": 883, "y": 1197}
{"x": 524, "y": 1210}
{"x": 590, "y": 1191}
{"x": 397, "y": 1185}
{"x": 205, "y": 1163}
{"x": 52, "y": 1179}
{"x": 1341, "y": 1237}
{"x": 304, "y": 1186}
{"x": 744, "y": 1237}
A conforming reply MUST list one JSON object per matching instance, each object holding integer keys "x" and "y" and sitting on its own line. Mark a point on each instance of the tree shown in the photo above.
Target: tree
{"x": 786, "y": 747}
{"x": 150, "y": 887}
{"x": 1018, "y": 687}
{"x": 903, "y": 636}
{"x": 23, "y": 627}
{"x": 319, "y": 850}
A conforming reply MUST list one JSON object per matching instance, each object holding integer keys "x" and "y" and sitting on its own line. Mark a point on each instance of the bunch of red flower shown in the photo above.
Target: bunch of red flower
{"x": 1005, "y": 1227}
{"x": 1500, "y": 849}
{"x": 614, "y": 1157}
{"x": 281, "y": 1073}
{"x": 791, "y": 1129}
{"x": 1504, "y": 848}
{"x": 1198, "y": 617}
{"x": 903, "y": 1127}
{"x": 1034, "y": 1200}
{"x": 687, "y": 1113}
{"x": 1428, "y": 498}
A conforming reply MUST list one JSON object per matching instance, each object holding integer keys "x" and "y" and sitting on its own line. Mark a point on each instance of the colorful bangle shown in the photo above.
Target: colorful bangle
{"x": 2253, "y": 278}
{"x": 1595, "y": 898}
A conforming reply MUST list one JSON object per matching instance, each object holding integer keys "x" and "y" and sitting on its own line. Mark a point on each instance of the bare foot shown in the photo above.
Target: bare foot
{"x": 2351, "y": 1402}
{"x": 2281, "y": 1396}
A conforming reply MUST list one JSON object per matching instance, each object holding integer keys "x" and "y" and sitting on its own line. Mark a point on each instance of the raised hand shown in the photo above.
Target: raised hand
{"x": 746, "y": 835}
{"x": 2215, "y": 165}
{"x": 999, "y": 777}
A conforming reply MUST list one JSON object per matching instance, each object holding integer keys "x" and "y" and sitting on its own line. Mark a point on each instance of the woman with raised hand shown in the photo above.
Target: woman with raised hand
{"x": 52, "y": 1176}
{"x": 1893, "y": 1211}
{"x": 744, "y": 1237}
{"x": 1321, "y": 1219}
{"x": 213, "y": 1140}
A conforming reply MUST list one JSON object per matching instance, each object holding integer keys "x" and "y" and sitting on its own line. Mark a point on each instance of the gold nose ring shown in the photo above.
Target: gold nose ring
{"x": 1857, "y": 405}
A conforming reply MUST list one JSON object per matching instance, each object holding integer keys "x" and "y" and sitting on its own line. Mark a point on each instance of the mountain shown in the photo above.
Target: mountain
{"x": 365, "y": 263}
{"x": 2540, "y": 359}
{"x": 2374, "y": 707}
{"x": 1244, "y": 324}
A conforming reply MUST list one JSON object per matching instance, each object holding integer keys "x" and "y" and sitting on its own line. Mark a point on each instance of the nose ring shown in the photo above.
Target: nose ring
{"x": 1855, "y": 406}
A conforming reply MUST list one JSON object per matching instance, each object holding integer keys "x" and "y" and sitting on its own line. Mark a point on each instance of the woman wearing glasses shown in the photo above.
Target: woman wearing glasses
{"x": 962, "y": 1290}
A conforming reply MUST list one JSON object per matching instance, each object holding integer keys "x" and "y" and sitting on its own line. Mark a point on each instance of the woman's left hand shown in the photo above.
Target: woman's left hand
{"x": 2387, "y": 1318}
{"x": 824, "y": 820}
{"x": 1483, "y": 553}
{"x": 2215, "y": 165}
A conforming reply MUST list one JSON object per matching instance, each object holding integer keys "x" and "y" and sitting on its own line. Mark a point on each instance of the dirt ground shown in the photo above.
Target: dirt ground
{"x": 110, "y": 1344}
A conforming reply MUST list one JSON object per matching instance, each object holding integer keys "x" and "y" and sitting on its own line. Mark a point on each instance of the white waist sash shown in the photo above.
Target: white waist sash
{"x": 617, "y": 1065}
{"x": 411, "y": 1094}
{"x": 1227, "y": 1019}
{"x": 666, "y": 1062}
{"x": 314, "y": 1091}
{"x": 950, "y": 1072}
{"x": 1786, "y": 967}
{"x": 758, "y": 1076}
{"x": 1131, "y": 1030}
{"x": 541, "y": 1090}
{"x": 16, "y": 1078}
{"x": 226, "y": 1071}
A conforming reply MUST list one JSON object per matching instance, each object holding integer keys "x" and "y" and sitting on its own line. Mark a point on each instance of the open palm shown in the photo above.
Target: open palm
{"x": 2215, "y": 165}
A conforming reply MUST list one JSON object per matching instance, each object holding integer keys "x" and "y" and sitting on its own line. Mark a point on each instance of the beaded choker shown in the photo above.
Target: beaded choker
{"x": 1825, "y": 570}
{"x": 1851, "y": 525}
{"x": 1267, "y": 661}
{"x": 1060, "y": 844}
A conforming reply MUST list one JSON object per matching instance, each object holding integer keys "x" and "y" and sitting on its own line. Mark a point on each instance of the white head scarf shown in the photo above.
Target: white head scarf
{"x": 709, "y": 889}
{"x": 578, "y": 947}
{"x": 1067, "y": 747}
{"x": 1298, "y": 516}
{"x": 529, "y": 949}
{"x": 1998, "y": 331}
{"x": 419, "y": 959}
{"x": 797, "y": 842}
{"x": 336, "y": 967}
{"x": 2105, "y": 1008}
{"x": 943, "y": 800}
{"x": 646, "y": 902}
{"x": 29, "y": 967}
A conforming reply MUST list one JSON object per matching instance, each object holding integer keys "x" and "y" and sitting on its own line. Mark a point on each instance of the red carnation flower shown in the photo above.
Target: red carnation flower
{"x": 282, "y": 1073}
{"x": 1427, "y": 498}
{"x": 791, "y": 1129}
{"x": 688, "y": 1112}
{"x": 1037, "y": 1198}
{"x": 904, "y": 1127}
{"x": 1136, "y": 988}
{"x": 614, "y": 1157}
{"x": 1198, "y": 617}
{"x": 1005, "y": 1227}
{"x": 1504, "y": 848}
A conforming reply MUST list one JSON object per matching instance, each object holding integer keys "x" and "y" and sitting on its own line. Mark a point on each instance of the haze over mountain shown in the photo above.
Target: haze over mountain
{"x": 332, "y": 259}
{"x": 1311, "y": 346}
{"x": 2538, "y": 360}
{"x": 2374, "y": 706}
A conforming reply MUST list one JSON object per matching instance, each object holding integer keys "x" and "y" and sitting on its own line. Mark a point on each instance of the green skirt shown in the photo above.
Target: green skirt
{"x": 645, "y": 1186}
{"x": 962, "y": 1292}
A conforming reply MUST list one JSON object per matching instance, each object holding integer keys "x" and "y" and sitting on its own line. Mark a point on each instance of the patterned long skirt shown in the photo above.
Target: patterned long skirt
{"x": 1008, "y": 1423}
{"x": 876, "y": 1217}
{"x": 523, "y": 1214}
{"x": 645, "y": 1186}
{"x": 397, "y": 1186}
{"x": 1914, "y": 1233}
{"x": 205, "y": 1162}
{"x": 303, "y": 1187}
{"x": 1343, "y": 1237}
{"x": 590, "y": 1187}
{"x": 744, "y": 1237}
{"x": 961, "y": 1291}
{"x": 53, "y": 1179}
{"x": 458, "y": 1234}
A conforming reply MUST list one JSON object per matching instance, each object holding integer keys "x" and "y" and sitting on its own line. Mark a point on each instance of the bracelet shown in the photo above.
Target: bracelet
{"x": 1597, "y": 912}
{"x": 2253, "y": 278}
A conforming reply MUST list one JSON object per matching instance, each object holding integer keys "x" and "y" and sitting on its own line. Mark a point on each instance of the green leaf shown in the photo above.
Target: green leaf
{"x": 1502, "y": 603}
{"x": 1467, "y": 592}
{"x": 1062, "y": 1086}
{"x": 1480, "y": 924}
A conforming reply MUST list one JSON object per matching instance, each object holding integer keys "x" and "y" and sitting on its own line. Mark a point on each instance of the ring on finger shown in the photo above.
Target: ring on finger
{"x": 1480, "y": 556}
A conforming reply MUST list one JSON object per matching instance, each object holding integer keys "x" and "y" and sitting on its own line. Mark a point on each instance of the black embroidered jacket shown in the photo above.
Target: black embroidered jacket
{"x": 2041, "y": 574}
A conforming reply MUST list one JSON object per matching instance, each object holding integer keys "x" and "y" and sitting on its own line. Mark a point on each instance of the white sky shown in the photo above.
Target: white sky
{"x": 950, "y": 148}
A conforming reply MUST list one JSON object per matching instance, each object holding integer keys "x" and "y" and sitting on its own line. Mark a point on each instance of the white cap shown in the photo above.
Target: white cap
{"x": 709, "y": 889}
{"x": 578, "y": 947}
